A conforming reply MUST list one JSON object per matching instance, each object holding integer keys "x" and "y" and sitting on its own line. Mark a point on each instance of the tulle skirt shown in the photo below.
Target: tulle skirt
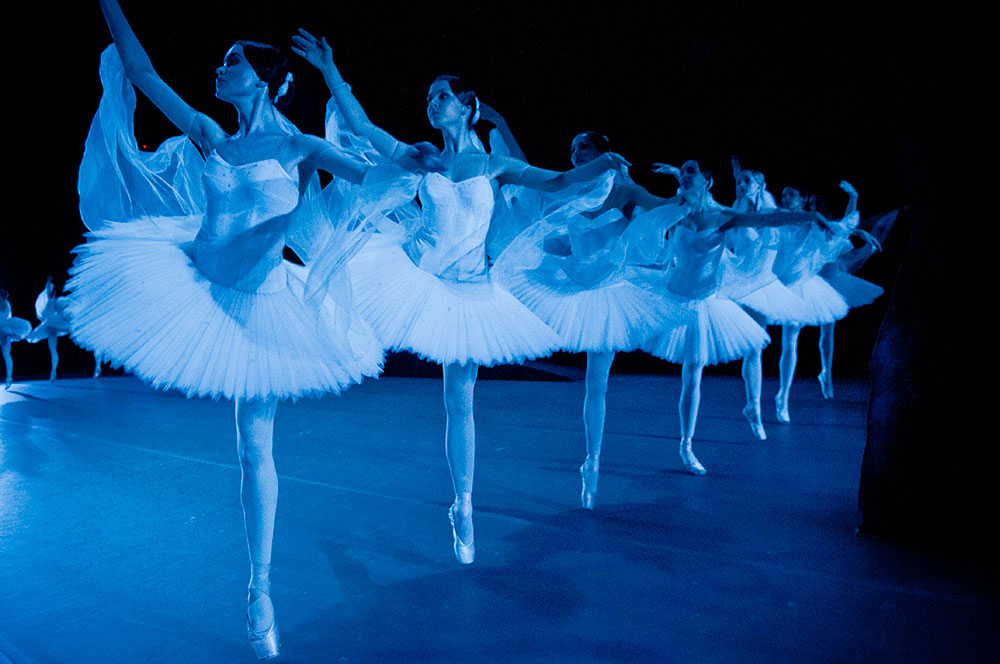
{"x": 138, "y": 300}
{"x": 706, "y": 331}
{"x": 616, "y": 316}
{"x": 440, "y": 320}
{"x": 14, "y": 328}
{"x": 856, "y": 291}
{"x": 825, "y": 304}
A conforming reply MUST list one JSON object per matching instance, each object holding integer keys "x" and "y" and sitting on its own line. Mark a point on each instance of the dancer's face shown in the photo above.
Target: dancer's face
{"x": 444, "y": 108}
{"x": 791, "y": 199}
{"x": 747, "y": 186}
{"x": 691, "y": 177}
{"x": 582, "y": 151}
{"x": 236, "y": 78}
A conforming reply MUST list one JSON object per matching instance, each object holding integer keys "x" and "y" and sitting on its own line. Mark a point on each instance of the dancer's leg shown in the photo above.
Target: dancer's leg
{"x": 259, "y": 495}
{"x": 54, "y": 353}
{"x": 786, "y": 369}
{"x": 8, "y": 362}
{"x": 594, "y": 408}
{"x": 460, "y": 449}
{"x": 752, "y": 372}
{"x": 826, "y": 359}
{"x": 97, "y": 364}
{"x": 688, "y": 408}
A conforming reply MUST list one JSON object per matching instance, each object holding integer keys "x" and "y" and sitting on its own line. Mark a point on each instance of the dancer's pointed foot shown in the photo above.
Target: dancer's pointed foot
{"x": 781, "y": 407}
{"x": 588, "y": 473}
{"x": 7, "y": 384}
{"x": 262, "y": 630}
{"x": 52, "y": 375}
{"x": 825, "y": 384}
{"x": 461, "y": 530}
{"x": 689, "y": 460}
{"x": 752, "y": 416}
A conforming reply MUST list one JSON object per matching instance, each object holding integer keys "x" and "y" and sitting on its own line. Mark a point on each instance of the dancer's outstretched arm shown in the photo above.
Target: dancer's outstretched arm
{"x": 318, "y": 53}
{"x": 507, "y": 170}
{"x": 204, "y": 131}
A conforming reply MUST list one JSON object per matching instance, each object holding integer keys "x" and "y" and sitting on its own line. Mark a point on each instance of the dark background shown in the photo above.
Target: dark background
{"x": 808, "y": 95}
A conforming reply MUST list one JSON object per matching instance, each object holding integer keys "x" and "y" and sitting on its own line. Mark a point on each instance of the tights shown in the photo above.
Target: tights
{"x": 460, "y": 438}
{"x": 259, "y": 495}
{"x": 789, "y": 358}
{"x": 7, "y": 360}
{"x": 54, "y": 353}
{"x": 595, "y": 402}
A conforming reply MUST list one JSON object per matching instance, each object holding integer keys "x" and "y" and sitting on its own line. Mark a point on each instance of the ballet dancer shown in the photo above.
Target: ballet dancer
{"x": 53, "y": 322}
{"x": 840, "y": 259}
{"x": 710, "y": 327}
{"x": 750, "y": 280}
{"x": 574, "y": 275}
{"x": 203, "y": 301}
{"x": 12, "y": 329}
{"x": 427, "y": 289}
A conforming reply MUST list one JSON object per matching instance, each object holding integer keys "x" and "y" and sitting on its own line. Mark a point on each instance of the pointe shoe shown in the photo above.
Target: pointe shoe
{"x": 588, "y": 473}
{"x": 689, "y": 460}
{"x": 781, "y": 408}
{"x": 265, "y": 643}
{"x": 825, "y": 384}
{"x": 52, "y": 375}
{"x": 8, "y": 384}
{"x": 465, "y": 553}
{"x": 756, "y": 426}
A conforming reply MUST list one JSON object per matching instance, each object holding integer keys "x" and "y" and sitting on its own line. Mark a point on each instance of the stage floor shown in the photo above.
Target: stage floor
{"x": 121, "y": 533}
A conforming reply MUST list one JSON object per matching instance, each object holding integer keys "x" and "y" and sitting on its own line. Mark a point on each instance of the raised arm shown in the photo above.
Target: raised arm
{"x": 488, "y": 113}
{"x": 508, "y": 170}
{"x": 139, "y": 69}
{"x": 318, "y": 53}
{"x": 852, "y": 197}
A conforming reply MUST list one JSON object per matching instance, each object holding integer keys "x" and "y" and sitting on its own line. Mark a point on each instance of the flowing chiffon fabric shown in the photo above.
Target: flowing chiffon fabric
{"x": 182, "y": 279}
{"x": 53, "y": 317}
{"x": 803, "y": 251}
{"x": 707, "y": 327}
{"x": 572, "y": 269}
{"x": 425, "y": 286}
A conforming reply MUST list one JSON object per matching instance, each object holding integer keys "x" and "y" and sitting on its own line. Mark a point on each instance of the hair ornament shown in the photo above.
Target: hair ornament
{"x": 283, "y": 90}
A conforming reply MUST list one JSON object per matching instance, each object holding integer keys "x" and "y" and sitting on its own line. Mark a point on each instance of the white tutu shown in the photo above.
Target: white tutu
{"x": 440, "y": 320}
{"x": 13, "y": 328}
{"x": 139, "y": 300}
{"x": 712, "y": 330}
{"x": 857, "y": 292}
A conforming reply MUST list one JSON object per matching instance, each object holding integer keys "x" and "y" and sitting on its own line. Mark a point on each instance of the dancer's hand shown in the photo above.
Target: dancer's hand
{"x": 848, "y": 188}
{"x": 422, "y": 157}
{"x": 868, "y": 238}
{"x": 616, "y": 162}
{"x": 488, "y": 113}
{"x": 316, "y": 52}
{"x": 666, "y": 169}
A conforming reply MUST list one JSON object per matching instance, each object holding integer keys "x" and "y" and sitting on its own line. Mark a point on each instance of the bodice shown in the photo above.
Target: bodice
{"x": 450, "y": 241}
{"x": 697, "y": 254}
{"x": 242, "y": 234}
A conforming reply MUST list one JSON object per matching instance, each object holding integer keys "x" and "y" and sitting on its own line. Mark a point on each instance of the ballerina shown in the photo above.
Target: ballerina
{"x": 710, "y": 327}
{"x": 574, "y": 275}
{"x": 427, "y": 289}
{"x": 201, "y": 300}
{"x": 53, "y": 323}
{"x": 840, "y": 259}
{"x": 12, "y": 329}
{"x": 750, "y": 280}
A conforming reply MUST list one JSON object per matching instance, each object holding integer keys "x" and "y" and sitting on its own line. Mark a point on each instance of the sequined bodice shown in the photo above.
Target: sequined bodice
{"x": 242, "y": 233}
{"x": 450, "y": 242}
